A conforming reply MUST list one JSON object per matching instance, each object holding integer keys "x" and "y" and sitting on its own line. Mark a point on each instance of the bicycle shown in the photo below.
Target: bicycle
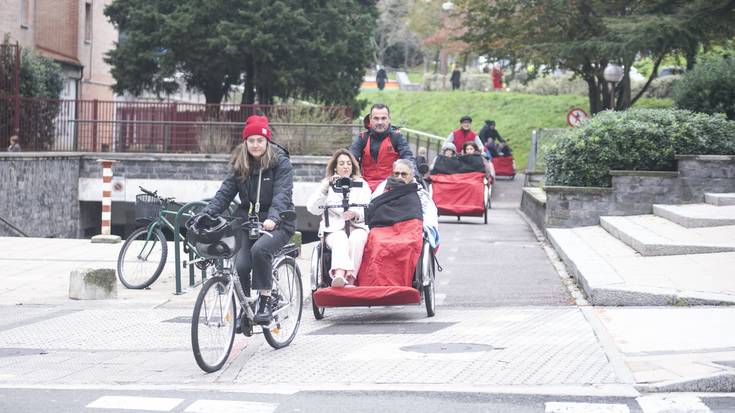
{"x": 222, "y": 297}
{"x": 143, "y": 254}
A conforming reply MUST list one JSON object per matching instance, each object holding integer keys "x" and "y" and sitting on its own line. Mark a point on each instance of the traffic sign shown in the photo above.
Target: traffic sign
{"x": 576, "y": 116}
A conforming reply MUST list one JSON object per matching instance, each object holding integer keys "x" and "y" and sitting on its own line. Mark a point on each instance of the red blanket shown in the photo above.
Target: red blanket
{"x": 387, "y": 270}
{"x": 459, "y": 194}
{"x": 503, "y": 166}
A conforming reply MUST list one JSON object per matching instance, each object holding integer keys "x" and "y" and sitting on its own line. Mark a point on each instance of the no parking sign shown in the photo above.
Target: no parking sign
{"x": 576, "y": 116}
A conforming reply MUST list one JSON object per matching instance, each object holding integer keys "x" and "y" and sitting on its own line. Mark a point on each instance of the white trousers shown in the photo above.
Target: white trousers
{"x": 347, "y": 253}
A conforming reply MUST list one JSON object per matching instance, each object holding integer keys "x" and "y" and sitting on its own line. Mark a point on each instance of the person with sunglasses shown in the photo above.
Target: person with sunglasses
{"x": 402, "y": 175}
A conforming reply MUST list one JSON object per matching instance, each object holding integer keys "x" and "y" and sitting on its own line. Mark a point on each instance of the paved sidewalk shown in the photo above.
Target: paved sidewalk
{"x": 143, "y": 338}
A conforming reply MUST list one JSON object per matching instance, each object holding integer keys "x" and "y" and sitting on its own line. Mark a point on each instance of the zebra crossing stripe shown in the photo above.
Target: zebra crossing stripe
{"x": 672, "y": 404}
{"x": 158, "y": 404}
{"x": 230, "y": 406}
{"x": 571, "y": 407}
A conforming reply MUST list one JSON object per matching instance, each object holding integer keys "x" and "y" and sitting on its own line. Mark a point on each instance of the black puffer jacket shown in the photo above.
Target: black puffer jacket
{"x": 276, "y": 192}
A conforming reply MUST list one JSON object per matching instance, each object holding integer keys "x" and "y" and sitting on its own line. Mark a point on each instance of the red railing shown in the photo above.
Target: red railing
{"x": 102, "y": 126}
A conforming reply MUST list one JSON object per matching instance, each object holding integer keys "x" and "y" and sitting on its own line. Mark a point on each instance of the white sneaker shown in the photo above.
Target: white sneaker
{"x": 338, "y": 282}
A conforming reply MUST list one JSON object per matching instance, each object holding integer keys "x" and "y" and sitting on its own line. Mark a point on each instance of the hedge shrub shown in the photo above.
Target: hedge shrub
{"x": 708, "y": 88}
{"x": 636, "y": 139}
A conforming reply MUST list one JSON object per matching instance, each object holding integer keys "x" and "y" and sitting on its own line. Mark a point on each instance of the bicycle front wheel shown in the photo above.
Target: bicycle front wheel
{"x": 142, "y": 258}
{"x": 288, "y": 298}
{"x": 213, "y": 324}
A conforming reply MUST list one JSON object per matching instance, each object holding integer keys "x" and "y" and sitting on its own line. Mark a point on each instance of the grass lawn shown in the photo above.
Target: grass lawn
{"x": 516, "y": 114}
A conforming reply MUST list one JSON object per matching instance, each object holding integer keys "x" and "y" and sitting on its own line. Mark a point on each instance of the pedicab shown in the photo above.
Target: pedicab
{"x": 398, "y": 265}
{"x": 504, "y": 166}
{"x": 460, "y": 187}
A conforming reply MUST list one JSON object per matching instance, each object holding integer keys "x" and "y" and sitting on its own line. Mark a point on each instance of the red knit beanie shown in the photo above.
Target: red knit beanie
{"x": 256, "y": 125}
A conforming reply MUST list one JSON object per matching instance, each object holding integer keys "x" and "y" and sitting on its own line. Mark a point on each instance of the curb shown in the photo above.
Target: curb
{"x": 713, "y": 383}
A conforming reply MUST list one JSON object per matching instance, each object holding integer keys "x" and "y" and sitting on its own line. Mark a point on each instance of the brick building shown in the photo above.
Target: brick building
{"x": 75, "y": 33}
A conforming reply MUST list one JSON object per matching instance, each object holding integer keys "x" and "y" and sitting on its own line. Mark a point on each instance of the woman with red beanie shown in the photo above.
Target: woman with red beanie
{"x": 263, "y": 178}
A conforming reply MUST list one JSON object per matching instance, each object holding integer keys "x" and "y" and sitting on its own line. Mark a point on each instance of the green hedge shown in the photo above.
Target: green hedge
{"x": 637, "y": 139}
{"x": 709, "y": 88}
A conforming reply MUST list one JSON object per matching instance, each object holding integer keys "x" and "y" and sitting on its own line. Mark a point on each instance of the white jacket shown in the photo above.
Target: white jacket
{"x": 336, "y": 222}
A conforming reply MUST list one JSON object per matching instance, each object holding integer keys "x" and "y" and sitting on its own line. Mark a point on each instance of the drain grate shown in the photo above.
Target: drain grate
{"x": 448, "y": 348}
{"x": 382, "y": 328}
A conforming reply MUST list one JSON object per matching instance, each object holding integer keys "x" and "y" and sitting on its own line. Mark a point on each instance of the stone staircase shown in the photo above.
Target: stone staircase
{"x": 679, "y": 255}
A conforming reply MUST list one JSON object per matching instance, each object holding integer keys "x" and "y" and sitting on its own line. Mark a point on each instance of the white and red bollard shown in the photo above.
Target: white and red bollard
{"x": 105, "y": 234}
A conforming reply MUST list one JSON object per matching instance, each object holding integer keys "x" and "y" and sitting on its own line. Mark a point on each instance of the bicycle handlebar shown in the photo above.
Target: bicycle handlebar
{"x": 155, "y": 194}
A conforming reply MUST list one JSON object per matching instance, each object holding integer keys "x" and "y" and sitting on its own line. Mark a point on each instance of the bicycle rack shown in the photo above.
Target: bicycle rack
{"x": 177, "y": 251}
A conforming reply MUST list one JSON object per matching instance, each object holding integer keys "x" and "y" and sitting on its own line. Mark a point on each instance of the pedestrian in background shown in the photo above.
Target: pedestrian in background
{"x": 381, "y": 77}
{"x": 455, "y": 79}
{"x": 497, "y": 75}
{"x": 14, "y": 145}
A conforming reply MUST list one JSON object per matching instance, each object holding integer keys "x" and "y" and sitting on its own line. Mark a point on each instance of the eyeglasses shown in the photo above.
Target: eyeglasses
{"x": 401, "y": 174}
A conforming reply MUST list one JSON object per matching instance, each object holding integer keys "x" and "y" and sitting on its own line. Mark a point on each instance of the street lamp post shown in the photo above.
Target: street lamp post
{"x": 613, "y": 74}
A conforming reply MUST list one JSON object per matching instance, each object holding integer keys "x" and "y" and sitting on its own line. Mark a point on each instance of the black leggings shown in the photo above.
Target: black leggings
{"x": 258, "y": 256}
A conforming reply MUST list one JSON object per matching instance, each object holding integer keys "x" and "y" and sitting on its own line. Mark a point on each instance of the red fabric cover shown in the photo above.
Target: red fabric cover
{"x": 459, "y": 194}
{"x": 374, "y": 172}
{"x": 461, "y": 136}
{"x": 503, "y": 166}
{"x": 387, "y": 270}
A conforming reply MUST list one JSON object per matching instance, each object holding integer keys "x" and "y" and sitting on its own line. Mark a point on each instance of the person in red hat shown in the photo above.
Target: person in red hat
{"x": 263, "y": 178}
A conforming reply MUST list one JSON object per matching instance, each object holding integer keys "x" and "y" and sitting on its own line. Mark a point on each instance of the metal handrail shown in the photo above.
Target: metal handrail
{"x": 13, "y": 227}
{"x": 207, "y": 122}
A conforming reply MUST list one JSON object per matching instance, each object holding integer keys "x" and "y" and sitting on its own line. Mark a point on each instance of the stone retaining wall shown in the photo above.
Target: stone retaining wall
{"x": 39, "y": 194}
{"x": 632, "y": 192}
{"x": 40, "y": 190}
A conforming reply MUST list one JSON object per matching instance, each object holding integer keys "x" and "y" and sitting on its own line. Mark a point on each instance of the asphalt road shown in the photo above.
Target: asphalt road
{"x": 500, "y": 263}
{"x": 111, "y": 401}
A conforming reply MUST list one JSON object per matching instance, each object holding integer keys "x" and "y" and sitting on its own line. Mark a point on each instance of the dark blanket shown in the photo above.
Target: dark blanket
{"x": 458, "y": 164}
{"x": 400, "y": 204}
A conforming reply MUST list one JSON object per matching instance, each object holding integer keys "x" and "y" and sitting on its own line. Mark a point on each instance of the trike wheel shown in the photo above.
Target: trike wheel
{"x": 213, "y": 324}
{"x": 318, "y": 311}
{"x": 287, "y": 296}
{"x": 142, "y": 258}
{"x": 430, "y": 299}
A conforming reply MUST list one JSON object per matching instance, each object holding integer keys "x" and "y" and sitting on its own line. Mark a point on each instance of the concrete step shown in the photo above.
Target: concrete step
{"x": 612, "y": 273}
{"x": 652, "y": 235}
{"x": 720, "y": 199}
{"x": 697, "y": 215}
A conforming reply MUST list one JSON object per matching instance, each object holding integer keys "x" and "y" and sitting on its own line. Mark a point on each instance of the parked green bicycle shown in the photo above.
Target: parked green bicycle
{"x": 144, "y": 253}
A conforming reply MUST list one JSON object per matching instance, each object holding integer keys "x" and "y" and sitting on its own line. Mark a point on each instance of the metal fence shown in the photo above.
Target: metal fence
{"x": 418, "y": 139}
{"x": 541, "y": 141}
{"x": 104, "y": 126}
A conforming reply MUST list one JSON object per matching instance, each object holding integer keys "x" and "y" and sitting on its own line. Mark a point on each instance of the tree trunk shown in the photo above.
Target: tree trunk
{"x": 248, "y": 94}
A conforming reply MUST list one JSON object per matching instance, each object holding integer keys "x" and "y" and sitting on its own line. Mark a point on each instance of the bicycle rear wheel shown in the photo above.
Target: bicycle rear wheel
{"x": 213, "y": 324}
{"x": 142, "y": 258}
{"x": 288, "y": 298}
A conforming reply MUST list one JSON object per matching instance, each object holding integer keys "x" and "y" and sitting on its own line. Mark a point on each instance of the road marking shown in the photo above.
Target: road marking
{"x": 672, "y": 404}
{"x": 158, "y": 404}
{"x": 229, "y": 406}
{"x": 569, "y": 407}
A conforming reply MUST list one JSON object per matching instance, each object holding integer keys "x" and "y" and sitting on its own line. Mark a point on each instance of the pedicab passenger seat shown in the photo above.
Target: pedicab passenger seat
{"x": 503, "y": 166}
{"x": 388, "y": 266}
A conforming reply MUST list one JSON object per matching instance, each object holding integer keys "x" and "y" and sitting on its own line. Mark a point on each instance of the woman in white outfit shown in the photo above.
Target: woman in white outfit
{"x": 346, "y": 250}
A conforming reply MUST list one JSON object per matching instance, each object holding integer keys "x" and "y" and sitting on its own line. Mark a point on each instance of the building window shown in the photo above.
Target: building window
{"x": 87, "y": 22}
{"x": 24, "y": 12}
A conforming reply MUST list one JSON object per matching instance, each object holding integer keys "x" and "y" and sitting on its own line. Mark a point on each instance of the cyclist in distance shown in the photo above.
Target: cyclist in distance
{"x": 380, "y": 146}
{"x": 263, "y": 178}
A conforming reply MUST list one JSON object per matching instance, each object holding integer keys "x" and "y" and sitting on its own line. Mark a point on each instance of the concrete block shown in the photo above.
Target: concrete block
{"x": 105, "y": 239}
{"x": 720, "y": 199}
{"x": 93, "y": 284}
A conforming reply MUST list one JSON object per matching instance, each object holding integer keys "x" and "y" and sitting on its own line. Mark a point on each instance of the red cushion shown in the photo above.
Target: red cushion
{"x": 459, "y": 194}
{"x": 366, "y": 296}
{"x": 503, "y": 166}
